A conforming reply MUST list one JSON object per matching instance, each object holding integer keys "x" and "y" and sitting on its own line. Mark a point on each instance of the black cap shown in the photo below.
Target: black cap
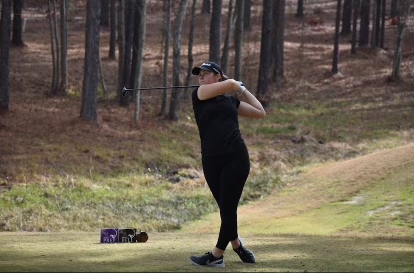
{"x": 207, "y": 66}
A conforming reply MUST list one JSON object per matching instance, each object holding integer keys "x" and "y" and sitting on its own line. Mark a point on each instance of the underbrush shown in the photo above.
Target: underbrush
{"x": 146, "y": 201}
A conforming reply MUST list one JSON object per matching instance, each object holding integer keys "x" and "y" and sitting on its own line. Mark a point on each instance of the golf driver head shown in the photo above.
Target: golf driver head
{"x": 124, "y": 91}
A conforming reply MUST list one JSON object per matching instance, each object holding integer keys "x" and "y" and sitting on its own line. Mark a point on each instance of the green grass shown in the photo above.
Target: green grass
{"x": 81, "y": 252}
{"x": 82, "y": 204}
{"x": 390, "y": 200}
{"x": 149, "y": 201}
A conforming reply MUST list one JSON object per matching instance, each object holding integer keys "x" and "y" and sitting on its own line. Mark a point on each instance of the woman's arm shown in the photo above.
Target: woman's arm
{"x": 212, "y": 90}
{"x": 252, "y": 108}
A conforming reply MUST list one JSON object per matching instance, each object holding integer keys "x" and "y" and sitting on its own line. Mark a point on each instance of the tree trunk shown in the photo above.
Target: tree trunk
{"x": 247, "y": 14}
{"x": 227, "y": 40}
{"x": 121, "y": 48}
{"x": 383, "y": 11}
{"x": 17, "y": 23}
{"x": 190, "y": 51}
{"x": 346, "y": 18}
{"x": 105, "y": 13}
{"x": 278, "y": 42}
{"x": 335, "y": 62}
{"x": 129, "y": 46}
{"x": 265, "y": 52}
{"x": 135, "y": 32}
{"x": 215, "y": 32}
{"x": 402, "y": 24}
{"x": 238, "y": 41}
{"x": 53, "y": 47}
{"x": 364, "y": 24}
{"x": 394, "y": 9}
{"x": 55, "y": 90}
{"x": 167, "y": 32}
{"x": 112, "y": 38}
{"x": 4, "y": 54}
{"x": 102, "y": 76}
{"x": 376, "y": 24}
{"x": 354, "y": 25}
{"x": 299, "y": 10}
{"x": 205, "y": 8}
{"x": 140, "y": 24}
{"x": 64, "y": 47}
{"x": 129, "y": 25}
{"x": 91, "y": 66}
{"x": 176, "y": 93}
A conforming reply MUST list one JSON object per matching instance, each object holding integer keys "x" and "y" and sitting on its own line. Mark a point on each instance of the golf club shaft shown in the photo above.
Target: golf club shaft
{"x": 150, "y": 88}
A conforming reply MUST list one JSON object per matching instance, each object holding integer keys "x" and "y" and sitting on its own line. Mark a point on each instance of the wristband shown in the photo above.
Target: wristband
{"x": 242, "y": 87}
{"x": 242, "y": 90}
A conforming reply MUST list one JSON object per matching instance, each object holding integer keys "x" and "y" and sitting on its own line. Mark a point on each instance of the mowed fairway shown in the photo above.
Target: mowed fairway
{"x": 171, "y": 251}
{"x": 310, "y": 225}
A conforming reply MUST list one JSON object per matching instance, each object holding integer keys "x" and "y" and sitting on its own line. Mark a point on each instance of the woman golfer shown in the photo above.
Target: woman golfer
{"x": 225, "y": 158}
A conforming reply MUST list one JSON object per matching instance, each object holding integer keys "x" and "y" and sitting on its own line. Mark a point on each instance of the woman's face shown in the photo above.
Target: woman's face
{"x": 207, "y": 77}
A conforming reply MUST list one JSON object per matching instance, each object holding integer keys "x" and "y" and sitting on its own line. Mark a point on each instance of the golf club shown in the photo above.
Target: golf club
{"x": 125, "y": 90}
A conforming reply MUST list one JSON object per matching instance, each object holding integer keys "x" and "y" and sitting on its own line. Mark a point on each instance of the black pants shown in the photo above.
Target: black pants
{"x": 226, "y": 176}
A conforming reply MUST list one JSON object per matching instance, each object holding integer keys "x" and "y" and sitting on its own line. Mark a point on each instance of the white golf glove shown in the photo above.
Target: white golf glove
{"x": 242, "y": 87}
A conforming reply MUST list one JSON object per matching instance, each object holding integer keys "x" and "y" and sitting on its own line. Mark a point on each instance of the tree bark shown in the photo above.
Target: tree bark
{"x": 55, "y": 90}
{"x": 64, "y": 47}
{"x": 139, "y": 45}
{"x": 394, "y": 9}
{"x": 176, "y": 93}
{"x": 265, "y": 52}
{"x": 91, "y": 66}
{"x": 167, "y": 32}
{"x": 238, "y": 41}
{"x": 354, "y": 25}
{"x": 247, "y": 15}
{"x": 129, "y": 25}
{"x": 190, "y": 51}
{"x": 102, "y": 76}
{"x": 112, "y": 38}
{"x": 383, "y": 11}
{"x": 299, "y": 10}
{"x": 17, "y": 23}
{"x": 335, "y": 62}
{"x": 105, "y": 13}
{"x": 402, "y": 24}
{"x": 346, "y": 18}
{"x": 205, "y": 8}
{"x": 5, "y": 54}
{"x": 121, "y": 48}
{"x": 364, "y": 24}
{"x": 215, "y": 32}
{"x": 375, "y": 24}
{"x": 53, "y": 48}
{"x": 278, "y": 42}
{"x": 227, "y": 40}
